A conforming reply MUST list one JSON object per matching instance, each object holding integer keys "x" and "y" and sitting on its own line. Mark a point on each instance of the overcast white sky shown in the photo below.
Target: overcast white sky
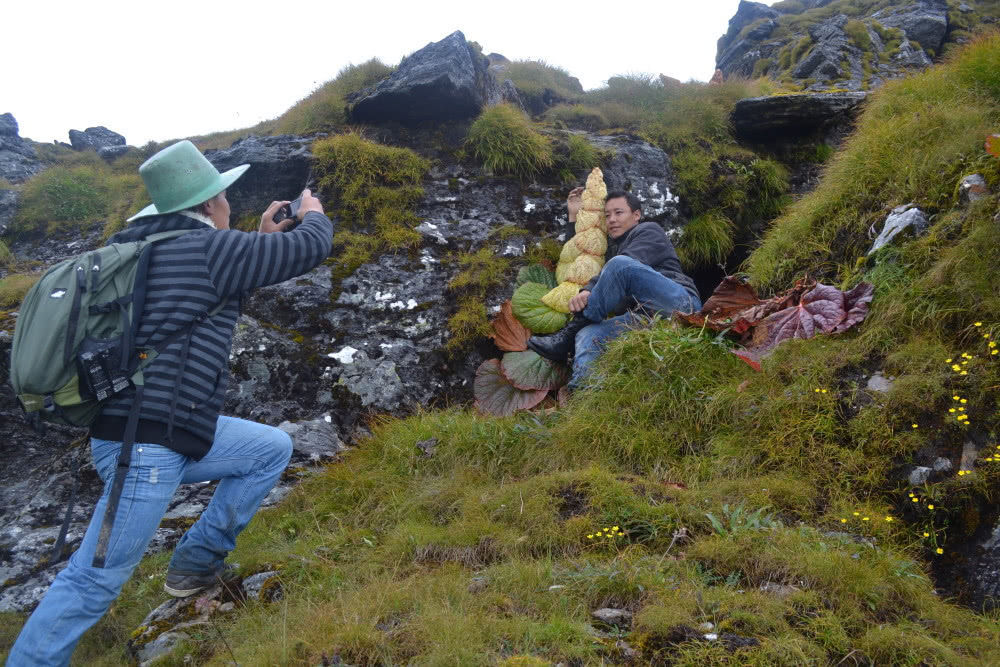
{"x": 162, "y": 70}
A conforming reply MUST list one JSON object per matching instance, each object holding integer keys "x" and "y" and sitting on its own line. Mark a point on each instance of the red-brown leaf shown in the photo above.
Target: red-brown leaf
{"x": 993, "y": 145}
{"x": 509, "y": 334}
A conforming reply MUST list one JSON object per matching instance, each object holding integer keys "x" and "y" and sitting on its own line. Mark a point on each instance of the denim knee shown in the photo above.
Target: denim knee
{"x": 282, "y": 446}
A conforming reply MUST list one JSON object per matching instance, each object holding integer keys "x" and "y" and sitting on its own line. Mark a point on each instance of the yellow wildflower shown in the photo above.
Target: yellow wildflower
{"x": 939, "y": 550}
{"x": 914, "y": 425}
{"x": 994, "y": 351}
{"x": 590, "y": 537}
{"x": 978, "y": 324}
{"x": 956, "y": 367}
{"x": 993, "y": 344}
{"x": 888, "y": 518}
{"x": 824, "y": 391}
{"x": 964, "y": 401}
{"x": 859, "y": 513}
{"x": 947, "y": 361}
{"x": 956, "y": 398}
{"x": 843, "y": 521}
{"x": 964, "y": 373}
{"x": 930, "y": 507}
{"x": 926, "y": 534}
{"x": 864, "y": 518}
{"x": 916, "y": 500}
{"x": 951, "y": 409}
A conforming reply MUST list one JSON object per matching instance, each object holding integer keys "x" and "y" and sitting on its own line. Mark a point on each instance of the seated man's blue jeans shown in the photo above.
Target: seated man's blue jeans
{"x": 247, "y": 457}
{"x": 624, "y": 281}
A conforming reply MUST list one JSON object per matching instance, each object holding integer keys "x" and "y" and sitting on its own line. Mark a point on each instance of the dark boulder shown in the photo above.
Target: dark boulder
{"x": 18, "y": 160}
{"x": 279, "y": 170}
{"x": 784, "y": 115}
{"x": 741, "y": 56}
{"x": 98, "y": 138}
{"x": 824, "y": 60}
{"x": 8, "y": 207}
{"x": 444, "y": 80}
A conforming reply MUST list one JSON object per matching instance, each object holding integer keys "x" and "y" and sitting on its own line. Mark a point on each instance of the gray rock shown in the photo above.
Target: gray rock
{"x": 923, "y": 21}
{"x": 8, "y": 208}
{"x": 879, "y": 383}
{"x": 280, "y": 167}
{"x": 444, "y": 80}
{"x": 941, "y": 464}
{"x": 317, "y": 439}
{"x": 901, "y": 218}
{"x": 919, "y": 475}
{"x": 831, "y": 44}
{"x": 730, "y": 47}
{"x": 969, "y": 452}
{"x": 18, "y": 160}
{"x": 615, "y": 617}
{"x": 778, "y": 590}
{"x": 95, "y": 138}
{"x": 111, "y": 152}
{"x": 254, "y": 584}
{"x": 972, "y": 189}
{"x": 757, "y": 117}
{"x": 160, "y": 646}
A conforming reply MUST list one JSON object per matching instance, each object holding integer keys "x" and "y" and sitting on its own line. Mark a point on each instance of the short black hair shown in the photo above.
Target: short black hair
{"x": 633, "y": 202}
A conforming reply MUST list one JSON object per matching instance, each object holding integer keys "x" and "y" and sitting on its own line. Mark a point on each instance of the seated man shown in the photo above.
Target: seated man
{"x": 641, "y": 275}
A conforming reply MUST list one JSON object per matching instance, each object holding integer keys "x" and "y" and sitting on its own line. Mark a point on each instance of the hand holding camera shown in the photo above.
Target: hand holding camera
{"x": 281, "y": 215}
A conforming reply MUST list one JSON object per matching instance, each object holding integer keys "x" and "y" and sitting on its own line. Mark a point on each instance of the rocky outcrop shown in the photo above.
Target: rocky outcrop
{"x": 279, "y": 170}
{"x": 791, "y": 115}
{"x": 854, "y": 52}
{"x": 18, "y": 160}
{"x": 106, "y": 143}
{"x": 443, "y": 81}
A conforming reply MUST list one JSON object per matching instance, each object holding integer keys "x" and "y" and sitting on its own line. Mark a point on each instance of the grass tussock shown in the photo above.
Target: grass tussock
{"x": 13, "y": 287}
{"x": 503, "y": 140}
{"x": 540, "y": 85}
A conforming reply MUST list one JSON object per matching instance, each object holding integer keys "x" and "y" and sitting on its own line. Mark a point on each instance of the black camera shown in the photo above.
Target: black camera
{"x": 289, "y": 210}
{"x": 99, "y": 369}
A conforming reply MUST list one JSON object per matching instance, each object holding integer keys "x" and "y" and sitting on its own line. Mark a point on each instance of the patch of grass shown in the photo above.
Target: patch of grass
{"x": 325, "y": 108}
{"x": 541, "y": 85}
{"x": 77, "y": 192}
{"x": 707, "y": 241}
{"x": 503, "y": 140}
{"x": 577, "y": 157}
{"x": 857, "y": 32}
{"x": 467, "y": 325}
{"x": 14, "y": 286}
{"x": 480, "y": 272}
{"x": 582, "y": 116}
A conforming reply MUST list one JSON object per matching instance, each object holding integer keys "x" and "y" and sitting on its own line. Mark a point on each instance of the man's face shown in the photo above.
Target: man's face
{"x": 217, "y": 208}
{"x": 619, "y": 216}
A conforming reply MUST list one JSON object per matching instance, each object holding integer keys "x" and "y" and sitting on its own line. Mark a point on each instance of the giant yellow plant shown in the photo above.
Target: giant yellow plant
{"x": 583, "y": 255}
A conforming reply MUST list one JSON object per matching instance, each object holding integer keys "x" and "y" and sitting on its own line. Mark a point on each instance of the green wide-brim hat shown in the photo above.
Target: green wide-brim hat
{"x": 179, "y": 177}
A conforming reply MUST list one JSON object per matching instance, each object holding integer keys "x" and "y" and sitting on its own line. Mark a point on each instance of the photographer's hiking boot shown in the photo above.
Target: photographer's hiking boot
{"x": 183, "y": 584}
{"x": 557, "y": 346}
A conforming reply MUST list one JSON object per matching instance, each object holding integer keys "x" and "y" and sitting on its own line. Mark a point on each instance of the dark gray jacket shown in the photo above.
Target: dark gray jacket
{"x": 649, "y": 244}
{"x": 188, "y": 276}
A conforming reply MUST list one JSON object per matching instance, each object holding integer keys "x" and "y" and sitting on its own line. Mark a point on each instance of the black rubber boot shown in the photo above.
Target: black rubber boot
{"x": 557, "y": 346}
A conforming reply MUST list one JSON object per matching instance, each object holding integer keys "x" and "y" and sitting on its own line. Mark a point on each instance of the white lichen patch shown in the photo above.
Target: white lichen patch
{"x": 529, "y": 206}
{"x": 379, "y": 296}
{"x": 345, "y": 356}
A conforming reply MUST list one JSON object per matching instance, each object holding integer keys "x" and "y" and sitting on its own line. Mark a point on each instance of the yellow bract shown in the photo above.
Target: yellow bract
{"x": 583, "y": 269}
{"x": 558, "y": 298}
{"x": 592, "y": 241}
{"x": 569, "y": 252}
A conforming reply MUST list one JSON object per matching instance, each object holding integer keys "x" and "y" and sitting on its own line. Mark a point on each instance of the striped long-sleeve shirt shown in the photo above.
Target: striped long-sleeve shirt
{"x": 188, "y": 277}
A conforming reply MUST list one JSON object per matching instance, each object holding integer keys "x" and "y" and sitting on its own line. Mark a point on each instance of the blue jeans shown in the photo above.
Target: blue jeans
{"x": 247, "y": 457}
{"x": 624, "y": 282}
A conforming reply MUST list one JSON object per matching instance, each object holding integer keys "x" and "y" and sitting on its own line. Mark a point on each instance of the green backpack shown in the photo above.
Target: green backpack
{"x": 74, "y": 339}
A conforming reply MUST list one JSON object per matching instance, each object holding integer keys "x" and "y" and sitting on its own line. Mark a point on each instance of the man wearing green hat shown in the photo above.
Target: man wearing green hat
{"x": 194, "y": 286}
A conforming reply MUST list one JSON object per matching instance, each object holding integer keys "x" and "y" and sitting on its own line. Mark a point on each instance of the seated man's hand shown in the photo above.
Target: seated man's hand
{"x": 579, "y": 302}
{"x": 573, "y": 203}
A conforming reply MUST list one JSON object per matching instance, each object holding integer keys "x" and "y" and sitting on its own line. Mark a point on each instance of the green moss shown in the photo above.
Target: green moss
{"x": 373, "y": 189}
{"x": 504, "y": 142}
{"x": 467, "y": 325}
{"x": 480, "y": 271}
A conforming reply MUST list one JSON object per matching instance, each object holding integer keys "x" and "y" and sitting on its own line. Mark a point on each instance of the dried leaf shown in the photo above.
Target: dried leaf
{"x": 856, "y": 302}
{"x": 536, "y": 273}
{"x": 731, "y": 296}
{"x": 529, "y": 370}
{"x": 495, "y": 395}
{"x": 532, "y": 313}
{"x": 508, "y": 333}
{"x": 993, "y": 145}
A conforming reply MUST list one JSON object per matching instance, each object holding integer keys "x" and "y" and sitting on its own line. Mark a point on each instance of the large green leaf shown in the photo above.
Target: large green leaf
{"x": 495, "y": 395}
{"x": 529, "y": 370}
{"x": 532, "y": 313}
{"x": 536, "y": 273}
